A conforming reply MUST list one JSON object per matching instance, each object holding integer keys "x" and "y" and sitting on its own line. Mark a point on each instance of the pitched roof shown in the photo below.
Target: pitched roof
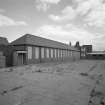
{"x": 97, "y": 53}
{"x": 3, "y": 41}
{"x": 39, "y": 41}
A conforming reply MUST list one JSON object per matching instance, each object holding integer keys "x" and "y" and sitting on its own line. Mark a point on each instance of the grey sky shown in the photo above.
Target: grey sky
{"x": 62, "y": 20}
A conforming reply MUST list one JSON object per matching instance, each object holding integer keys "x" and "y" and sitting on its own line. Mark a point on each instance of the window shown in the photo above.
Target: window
{"x": 36, "y": 52}
{"x": 71, "y": 53}
{"x": 29, "y": 52}
{"x": 42, "y": 52}
{"x": 55, "y": 53}
{"x": 51, "y": 53}
{"x": 66, "y": 53}
{"x": 47, "y": 52}
{"x": 58, "y": 53}
{"x": 62, "y": 53}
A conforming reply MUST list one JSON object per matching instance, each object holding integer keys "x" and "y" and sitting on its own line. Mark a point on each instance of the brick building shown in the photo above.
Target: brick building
{"x": 85, "y": 49}
{"x": 30, "y": 49}
{"x": 3, "y": 46}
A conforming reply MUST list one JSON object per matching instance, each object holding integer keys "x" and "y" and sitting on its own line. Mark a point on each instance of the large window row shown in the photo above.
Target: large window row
{"x": 47, "y": 53}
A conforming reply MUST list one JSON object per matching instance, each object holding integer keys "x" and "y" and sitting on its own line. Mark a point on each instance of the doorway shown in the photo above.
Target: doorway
{"x": 21, "y": 59}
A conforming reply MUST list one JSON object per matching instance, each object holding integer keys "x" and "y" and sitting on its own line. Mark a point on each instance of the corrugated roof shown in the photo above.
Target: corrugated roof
{"x": 3, "y": 41}
{"x": 97, "y": 53}
{"x": 39, "y": 41}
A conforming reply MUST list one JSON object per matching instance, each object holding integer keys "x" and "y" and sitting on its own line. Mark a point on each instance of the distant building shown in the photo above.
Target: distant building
{"x": 85, "y": 49}
{"x": 3, "y": 41}
{"x": 88, "y": 48}
{"x": 96, "y": 55}
{"x": 77, "y": 45}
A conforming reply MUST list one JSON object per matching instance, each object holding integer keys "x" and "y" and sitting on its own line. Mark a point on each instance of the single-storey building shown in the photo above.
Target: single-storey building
{"x": 99, "y": 55}
{"x": 30, "y": 49}
{"x": 85, "y": 49}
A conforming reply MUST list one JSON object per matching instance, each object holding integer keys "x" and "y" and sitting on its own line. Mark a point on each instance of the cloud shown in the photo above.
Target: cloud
{"x": 2, "y": 10}
{"x": 99, "y": 43}
{"x": 83, "y": 8}
{"x": 67, "y": 13}
{"x": 6, "y": 21}
{"x": 91, "y": 12}
{"x": 94, "y": 10}
{"x": 45, "y": 4}
{"x": 66, "y": 33}
{"x": 96, "y": 17}
{"x": 72, "y": 33}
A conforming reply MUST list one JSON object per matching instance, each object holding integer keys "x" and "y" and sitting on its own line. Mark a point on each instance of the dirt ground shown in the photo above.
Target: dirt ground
{"x": 70, "y": 83}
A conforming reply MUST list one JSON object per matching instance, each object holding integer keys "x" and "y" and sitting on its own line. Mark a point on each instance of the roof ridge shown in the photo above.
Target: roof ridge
{"x": 30, "y": 39}
{"x": 22, "y": 37}
{"x": 47, "y": 39}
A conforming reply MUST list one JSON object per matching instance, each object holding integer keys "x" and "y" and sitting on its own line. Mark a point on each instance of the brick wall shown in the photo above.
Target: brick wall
{"x": 2, "y": 60}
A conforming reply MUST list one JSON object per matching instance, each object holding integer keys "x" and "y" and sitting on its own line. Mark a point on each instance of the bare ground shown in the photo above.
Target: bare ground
{"x": 70, "y": 83}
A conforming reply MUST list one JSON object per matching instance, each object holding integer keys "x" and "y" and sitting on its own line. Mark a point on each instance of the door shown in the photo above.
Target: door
{"x": 21, "y": 58}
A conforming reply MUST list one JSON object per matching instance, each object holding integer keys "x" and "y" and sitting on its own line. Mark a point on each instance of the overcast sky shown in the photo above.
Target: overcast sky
{"x": 61, "y": 20}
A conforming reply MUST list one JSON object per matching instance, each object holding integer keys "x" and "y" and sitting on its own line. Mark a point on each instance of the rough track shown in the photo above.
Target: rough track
{"x": 71, "y": 83}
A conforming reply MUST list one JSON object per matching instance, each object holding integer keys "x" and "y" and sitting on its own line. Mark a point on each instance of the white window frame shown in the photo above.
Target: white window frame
{"x": 29, "y": 52}
{"x": 68, "y": 53}
{"x": 62, "y": 53}
{"x": 36, "y": 52}
{"x": 58, "y": 53}
{"x": 51, "y": 53}
{"x": 55, "y": 53}
{"x": 42, "y": 52}
{"x": 47, "y": 52}
{"x": 71, "y": 53}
